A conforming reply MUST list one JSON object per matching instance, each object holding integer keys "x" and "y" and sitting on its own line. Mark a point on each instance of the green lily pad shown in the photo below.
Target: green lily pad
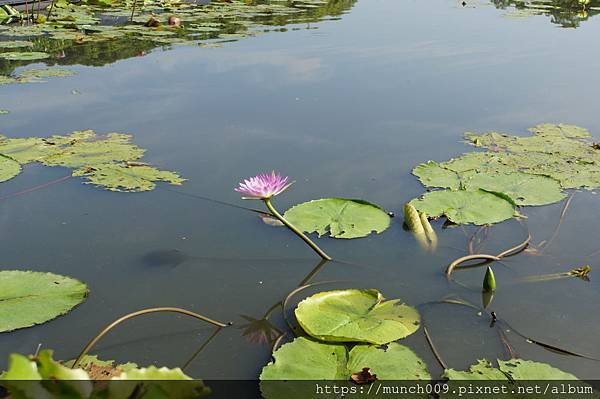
{"x": 339, "y": 217}
{"x": 523, "y": 188}
{"x": 157, "y": 383}
{"x": 29, "y": 298}
{"x": 15, "y": 44}
{"x": 432, "y": 174}
{"x": 4, "y": 112}
{"x": 47, "y": 73}
{"x": 356, "y": 316}
{"x": 477, "y": 207}
{"x": 94, "y": 150}
{"x": 305, "y": 359}
{"x": 513, "y": 369}
{"x": 24, "y": 56}
{"x": 120, "y": 177}
{"x": 9, "y": 168}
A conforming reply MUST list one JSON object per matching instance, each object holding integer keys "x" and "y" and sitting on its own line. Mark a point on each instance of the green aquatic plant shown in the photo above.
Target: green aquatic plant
{"x": 109, "y": 161}
{"x": 266, "y": 186}
{"x": 483, "y": 187}
{"x": 489, "y": 281}
{"x": 339, "y": 217}
{"x": 40, "y": 376}
{"x": 510, "y": 370}
{"x": 305, "y": 359}
{"x": 418, "y": 223}
{"x": 354, "y": 315}
{"x": 29, "y": 298}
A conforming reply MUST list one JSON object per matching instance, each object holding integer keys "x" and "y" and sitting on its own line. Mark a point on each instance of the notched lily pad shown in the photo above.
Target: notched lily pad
{"x": 355, "y": 315}
{"x": 305, "y": 359}
{"x": 339, "y": 217}
{"x": 460, "y": 206}
{"x": 121, "y": 177}
{"x": 511, "y": 370}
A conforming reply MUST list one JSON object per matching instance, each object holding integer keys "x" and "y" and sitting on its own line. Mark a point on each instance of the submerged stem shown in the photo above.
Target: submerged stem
{"x": 290, "y": 226}
{"x": 128, "y": 316}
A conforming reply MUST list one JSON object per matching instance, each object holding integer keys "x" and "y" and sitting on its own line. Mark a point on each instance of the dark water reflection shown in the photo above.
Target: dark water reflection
{"x": 346, "y": 110}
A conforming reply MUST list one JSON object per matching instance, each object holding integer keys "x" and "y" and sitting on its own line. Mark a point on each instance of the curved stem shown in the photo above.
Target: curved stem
{"x": 463, "y": 259}
{"x": 290, "y": 226}
{"x": 128, "y": 316}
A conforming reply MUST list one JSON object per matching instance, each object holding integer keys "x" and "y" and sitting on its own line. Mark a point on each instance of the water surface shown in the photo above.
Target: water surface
{"x": 346, "y": 107}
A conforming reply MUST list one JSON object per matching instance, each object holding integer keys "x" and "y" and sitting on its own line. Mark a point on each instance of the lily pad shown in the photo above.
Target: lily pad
{"x": 356, "y": 316}
{"x": 24, "y": 56}
{"x": 432, "y": 174}
{"x": 4, "y": 112}
{"x": 120, "y": 177}
{"x": 305, "y": 359}
{"x": 15, "y": 44}
{"x": 29, "y": 298}
{"x": 460, "y": 206}
{"x": 47, "y": 73}
{"x": 339, "y": 217}
{"x": 9, "y": 168}
{"x": 90, "y": 151}
{"x": 523, "y": 188}
{"x": 513, "y": 370}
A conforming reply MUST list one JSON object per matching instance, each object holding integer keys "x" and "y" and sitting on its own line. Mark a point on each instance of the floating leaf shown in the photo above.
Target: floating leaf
{"x": 4, "y": 112}
{"x": 512, "y": 370}
{"x": 92, "y": 151}
{"x": 120, "y": 177}
{"x": 29, "y": 298}
{"x": 47, "y": 73}
{"x": 523, "y": 188}
{"x": 159, "y": 382}
{"x": 483, "y": 370}
{"x": 305, "y": 359}
{"x": 23, "y": 56}
{"x": 9, "y": 168}
{"x": 477, "y": 207}
{"x": 432, "y": 174}
{"x": 338, "y": 217}
{"x": 356, "y": 316}
{"x": 15, "y": 44}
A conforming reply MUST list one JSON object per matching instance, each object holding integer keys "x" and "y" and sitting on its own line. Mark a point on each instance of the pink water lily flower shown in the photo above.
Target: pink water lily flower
{"x": 263, "y": 186}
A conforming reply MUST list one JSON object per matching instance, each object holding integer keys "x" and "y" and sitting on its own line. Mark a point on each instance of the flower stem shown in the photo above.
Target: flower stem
{"x": 290, "y": 226}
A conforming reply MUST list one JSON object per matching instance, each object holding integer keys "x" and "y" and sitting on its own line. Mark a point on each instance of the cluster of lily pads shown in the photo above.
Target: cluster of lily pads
{"x": 109, "y": 161}
{"x": 90, "y": 22}
{"x": 489, "y": 187}
{"x": 566, "y": 13}
{"x": 350, "y": 335}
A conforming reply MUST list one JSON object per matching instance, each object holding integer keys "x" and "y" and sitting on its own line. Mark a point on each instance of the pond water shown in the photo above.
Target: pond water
{"x": 346, "y": 106}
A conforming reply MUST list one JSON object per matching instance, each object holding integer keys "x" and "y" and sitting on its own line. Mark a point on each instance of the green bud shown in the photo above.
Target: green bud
{"x": 489, "y": 281}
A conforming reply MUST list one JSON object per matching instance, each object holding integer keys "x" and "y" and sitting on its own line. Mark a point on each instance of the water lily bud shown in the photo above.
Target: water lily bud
{"x": 429, "y": 232}
{"x": 489, "y": 281}
{"x": 412, "y": 219}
